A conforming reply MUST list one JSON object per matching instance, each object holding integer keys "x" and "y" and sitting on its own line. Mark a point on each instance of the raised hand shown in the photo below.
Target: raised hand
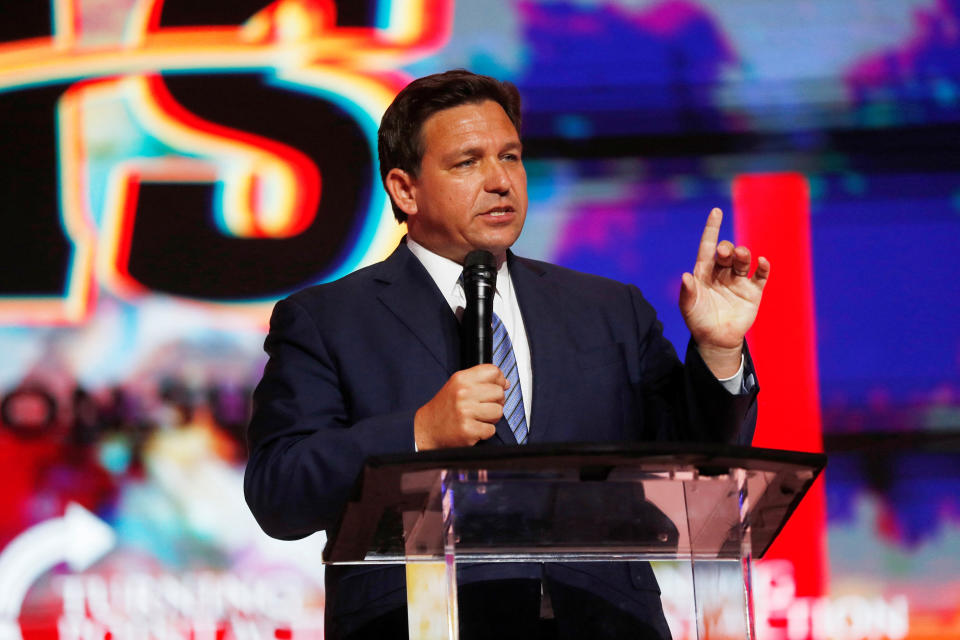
{"x": 719, "y": 300}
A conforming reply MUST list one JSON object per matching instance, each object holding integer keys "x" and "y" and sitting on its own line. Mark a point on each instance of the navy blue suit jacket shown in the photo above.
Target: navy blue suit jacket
{"x": 351, "y": 361}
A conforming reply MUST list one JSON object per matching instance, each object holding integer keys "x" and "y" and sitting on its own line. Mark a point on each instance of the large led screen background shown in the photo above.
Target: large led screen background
{"x": 173, "y": 168}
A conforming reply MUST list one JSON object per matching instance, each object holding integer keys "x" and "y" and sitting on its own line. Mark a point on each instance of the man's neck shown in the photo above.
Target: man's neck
{"x": 426, "y": 245}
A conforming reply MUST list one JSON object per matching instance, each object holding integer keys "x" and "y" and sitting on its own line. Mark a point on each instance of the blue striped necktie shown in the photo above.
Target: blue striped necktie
{"x": 505, "y": 359}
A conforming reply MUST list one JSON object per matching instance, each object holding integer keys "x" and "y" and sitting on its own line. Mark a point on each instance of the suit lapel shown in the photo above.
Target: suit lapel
{"x": 546, "y": 333}
{"x": 413, "y": 297}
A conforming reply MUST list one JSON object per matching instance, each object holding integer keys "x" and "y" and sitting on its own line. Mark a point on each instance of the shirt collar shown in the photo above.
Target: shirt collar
{"x": 446, "y": 273}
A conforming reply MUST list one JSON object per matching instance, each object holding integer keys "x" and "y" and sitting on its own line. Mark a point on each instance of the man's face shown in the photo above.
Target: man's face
{"x": 472, "y": 189}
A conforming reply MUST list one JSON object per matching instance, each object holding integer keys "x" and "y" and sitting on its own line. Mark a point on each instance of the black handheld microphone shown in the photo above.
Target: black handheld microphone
{"x": 476, "y": 326}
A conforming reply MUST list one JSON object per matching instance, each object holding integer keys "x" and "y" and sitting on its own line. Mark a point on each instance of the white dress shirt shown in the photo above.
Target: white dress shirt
{"x": 446, "y": 274}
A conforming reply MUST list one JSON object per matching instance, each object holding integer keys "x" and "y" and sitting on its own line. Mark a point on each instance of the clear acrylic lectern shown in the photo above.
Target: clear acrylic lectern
{"x": 714, "y": 507}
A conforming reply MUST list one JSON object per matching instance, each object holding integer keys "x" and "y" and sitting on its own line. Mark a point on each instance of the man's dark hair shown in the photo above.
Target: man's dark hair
{"x": 399, "y": 140}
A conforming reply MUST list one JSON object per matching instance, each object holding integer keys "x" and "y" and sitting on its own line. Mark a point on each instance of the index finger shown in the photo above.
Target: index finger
{"x": 708, "y": 241}
{"x": 488, "y": 373}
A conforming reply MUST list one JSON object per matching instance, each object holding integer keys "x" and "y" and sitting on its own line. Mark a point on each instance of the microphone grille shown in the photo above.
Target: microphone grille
{"x": 480, "y": 258}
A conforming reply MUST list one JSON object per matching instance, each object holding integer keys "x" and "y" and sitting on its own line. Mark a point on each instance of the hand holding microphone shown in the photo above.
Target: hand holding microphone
{"x": 468, "y": 406}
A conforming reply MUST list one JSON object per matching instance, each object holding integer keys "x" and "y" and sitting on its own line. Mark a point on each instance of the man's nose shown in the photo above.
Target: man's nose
{"x": 497, "y": 178}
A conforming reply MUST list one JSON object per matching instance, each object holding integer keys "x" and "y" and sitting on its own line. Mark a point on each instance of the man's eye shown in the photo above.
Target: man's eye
{"x": 466, "y": 163}
{"x": 511, "y": 157}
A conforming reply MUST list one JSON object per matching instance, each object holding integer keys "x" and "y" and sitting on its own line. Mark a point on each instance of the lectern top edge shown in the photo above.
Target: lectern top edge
{"x": 695, "y": 454}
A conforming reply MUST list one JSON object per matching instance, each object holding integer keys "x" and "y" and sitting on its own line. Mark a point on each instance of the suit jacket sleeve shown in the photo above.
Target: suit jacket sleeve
{"x": 687, "y": 402}
{"x": 305, "y": 455}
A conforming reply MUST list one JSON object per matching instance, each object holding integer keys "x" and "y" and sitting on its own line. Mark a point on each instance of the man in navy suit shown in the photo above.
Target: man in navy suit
{"x": 369, "y": 365}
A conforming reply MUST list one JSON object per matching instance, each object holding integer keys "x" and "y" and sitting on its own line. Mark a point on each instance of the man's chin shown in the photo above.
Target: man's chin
{"x": 495, "y": 243}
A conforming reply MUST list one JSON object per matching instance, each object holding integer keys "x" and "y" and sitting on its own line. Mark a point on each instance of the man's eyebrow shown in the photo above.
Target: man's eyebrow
{"x": 465, "y": 151}
{"x": 513, "y": 145}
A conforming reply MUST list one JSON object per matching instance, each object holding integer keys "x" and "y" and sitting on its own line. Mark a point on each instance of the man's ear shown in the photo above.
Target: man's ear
{"x": 402, "y": 188}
